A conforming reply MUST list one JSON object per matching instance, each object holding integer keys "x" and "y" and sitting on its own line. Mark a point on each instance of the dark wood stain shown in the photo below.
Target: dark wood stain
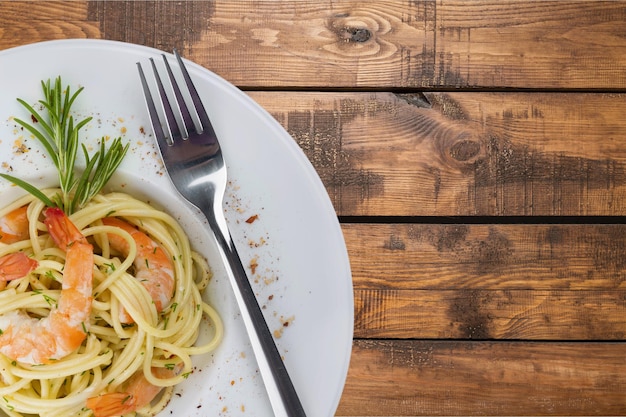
{"x": 514, "y": 171}
{"x": 449, "y": 238}
{"x": 394, "y": 243}
{"x": 447, "y": 106}
{"x": 319, "y": 136}
{"x": 492, "y": 253}
{"x": 186, "y": 21}
{"x": 608, "y": 248}
{"x": 466, "y": 310}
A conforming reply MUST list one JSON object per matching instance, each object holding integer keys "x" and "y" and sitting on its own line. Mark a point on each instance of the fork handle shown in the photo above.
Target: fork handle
{"x": 282, "y": 394}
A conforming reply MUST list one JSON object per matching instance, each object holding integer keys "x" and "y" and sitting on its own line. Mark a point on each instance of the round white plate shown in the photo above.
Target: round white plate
{"x": 302, "y": 278}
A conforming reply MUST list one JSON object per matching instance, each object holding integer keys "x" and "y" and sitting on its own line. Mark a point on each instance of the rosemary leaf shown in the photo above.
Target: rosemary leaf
{"x": 29, "y": 188}
{"x": 59, "y": 135}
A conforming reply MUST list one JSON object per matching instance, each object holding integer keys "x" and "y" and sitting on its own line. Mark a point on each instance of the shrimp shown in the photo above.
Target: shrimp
{"x": 15, "y": 265}
{"x": 38, "y": 341}
{"x": 14, "y": 226}
{"x": 138, "y": 393}
{"x": 153, "y": 268}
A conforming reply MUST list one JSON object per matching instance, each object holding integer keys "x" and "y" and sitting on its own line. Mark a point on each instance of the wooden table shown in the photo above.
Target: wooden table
{"x": 475, "y": 153}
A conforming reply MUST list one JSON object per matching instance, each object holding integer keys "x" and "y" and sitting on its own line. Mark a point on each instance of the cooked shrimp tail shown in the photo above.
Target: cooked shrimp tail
{"x": 14, "y": 226}
{"x": 16, "y": 265}
{"x": 139, "y": 392}
{"x": 112, "y": 404}
{"x": 37, "y": 341}
{"x": 153, "y": 267}
{"x": 61, "y": 229}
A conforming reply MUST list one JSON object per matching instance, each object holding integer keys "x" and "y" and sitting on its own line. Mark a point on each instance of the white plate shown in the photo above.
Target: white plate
{"x": 303, "y": 278}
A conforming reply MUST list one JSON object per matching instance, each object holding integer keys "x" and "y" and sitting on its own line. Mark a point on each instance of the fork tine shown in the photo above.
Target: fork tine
{"x": 159, "y": 133}
{"x": 187, "y": 120}
{"x": 206, "y": 126}
{"x": 173, "y": 128}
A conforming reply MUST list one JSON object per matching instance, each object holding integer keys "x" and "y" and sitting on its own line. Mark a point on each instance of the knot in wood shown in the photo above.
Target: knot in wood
{"x": 465, "y": 150}
{"x": 353, "y": 34}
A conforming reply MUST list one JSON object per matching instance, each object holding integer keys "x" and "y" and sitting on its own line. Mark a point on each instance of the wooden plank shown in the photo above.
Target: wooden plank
{"x": 546, "y": 44}
{"x": 486, "y": 257}
{"x": 531, "y": 282}
{"x": 386, "y": 44}
{"x": 44, "y": 21}
{"x": 411, "y": 378}
{"x": 490, "y": 314}
{"x": 462, "y": 153}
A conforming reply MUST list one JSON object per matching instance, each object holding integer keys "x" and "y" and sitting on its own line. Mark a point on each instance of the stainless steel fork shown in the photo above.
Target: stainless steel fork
{"x": 194, "y": 162}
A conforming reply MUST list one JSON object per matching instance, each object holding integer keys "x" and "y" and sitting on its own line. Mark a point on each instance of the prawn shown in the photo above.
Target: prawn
{"x": 138, "y": 393}
{"x": 14, "y": 226}
{"x": 37, "y": 341}
{"x": 153, "y": 267}
{"x": 15, "y": 265}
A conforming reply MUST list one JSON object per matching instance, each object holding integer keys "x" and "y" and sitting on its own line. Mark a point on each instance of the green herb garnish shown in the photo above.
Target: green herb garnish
{"x": 59, "y": 136}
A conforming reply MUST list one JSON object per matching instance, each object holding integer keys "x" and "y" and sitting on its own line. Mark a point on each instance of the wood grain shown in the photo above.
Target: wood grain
{"x": 470, "y": 153}
{"x": 379, "y": 45}
{"x": 29, "y": 22}
{"x": 165, "y": 25}
{"x": 411, "y": 378}
{"x": 388, "y": 44}
{"x": 458, "y": 281}
{"x": 490, "y": 314}
{"x": 490, "y": 257}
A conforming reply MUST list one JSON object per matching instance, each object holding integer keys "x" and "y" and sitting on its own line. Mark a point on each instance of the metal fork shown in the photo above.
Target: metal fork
{"x": 194, "y": 162}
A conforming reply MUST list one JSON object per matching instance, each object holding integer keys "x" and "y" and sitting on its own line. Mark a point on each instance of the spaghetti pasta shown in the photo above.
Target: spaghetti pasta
{"x": 114, "y": 352}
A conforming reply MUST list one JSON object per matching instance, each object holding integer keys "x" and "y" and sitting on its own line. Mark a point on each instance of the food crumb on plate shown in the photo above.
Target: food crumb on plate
{"x": 285, "y": 323}
{"x": 19, "y": 146}
{"x": 254, "y": 265}
{"x": 252, "y": 219}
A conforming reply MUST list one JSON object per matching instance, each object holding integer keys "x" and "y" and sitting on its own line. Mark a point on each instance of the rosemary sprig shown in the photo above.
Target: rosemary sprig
{"x": 59, "y": 136}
